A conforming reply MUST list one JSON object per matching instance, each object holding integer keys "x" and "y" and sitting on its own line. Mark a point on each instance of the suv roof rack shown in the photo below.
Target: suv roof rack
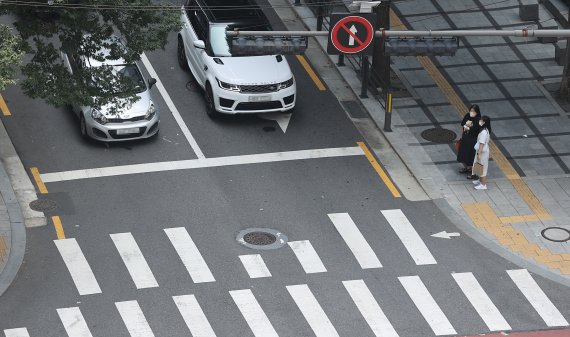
{"x": 233, "y": 11}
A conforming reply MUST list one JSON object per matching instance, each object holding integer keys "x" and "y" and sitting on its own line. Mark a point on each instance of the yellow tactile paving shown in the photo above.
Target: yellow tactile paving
{"x": 3, "y": 249}
{"x": 484, "y": 217}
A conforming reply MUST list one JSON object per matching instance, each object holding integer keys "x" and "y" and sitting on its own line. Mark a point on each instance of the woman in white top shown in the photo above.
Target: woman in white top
{"x": 482, "y": 155}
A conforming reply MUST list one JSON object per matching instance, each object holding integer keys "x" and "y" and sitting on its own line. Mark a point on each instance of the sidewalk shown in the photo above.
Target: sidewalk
{"x": 16, "y": 192}
{"x": 529, "y": 188}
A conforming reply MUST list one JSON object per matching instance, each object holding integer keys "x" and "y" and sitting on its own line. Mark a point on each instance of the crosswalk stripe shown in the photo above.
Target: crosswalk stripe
{"x": 254, "y": 266}
{"x": 537, "y": 298}
{"x": 307, "y": 256}
{"x": 409, "y": 237}
{"x": 481, "y": 302}
{"x": 193, "y": 316}
{"x": 134, "y": 260}
{"x": 73, "y": 322}
{"x": 253, "y": 313}
{"x": 78, "y": 267}
{"x": 369, "y": 308}
{"x": 18, "y": 332}
{"x": 355, "y": 240}
{"x": 311, "y": 309}
{"x": 427, "y": 305}
{"x": 190, "y": 255}
{"x": 134, "y": 319}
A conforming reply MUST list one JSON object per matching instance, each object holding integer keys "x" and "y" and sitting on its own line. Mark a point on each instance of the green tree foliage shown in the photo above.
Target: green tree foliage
{"x": 10, "y": 56}
{"x": 83, "y": 28}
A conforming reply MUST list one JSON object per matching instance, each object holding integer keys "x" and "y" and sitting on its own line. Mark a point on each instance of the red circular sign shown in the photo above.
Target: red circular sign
{"x": 359, "y": 44}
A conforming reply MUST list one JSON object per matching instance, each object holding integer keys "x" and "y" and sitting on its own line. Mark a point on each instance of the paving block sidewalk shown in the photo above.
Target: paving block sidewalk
{"x": 529, "y": 186}
{"x": 506, "y": 77}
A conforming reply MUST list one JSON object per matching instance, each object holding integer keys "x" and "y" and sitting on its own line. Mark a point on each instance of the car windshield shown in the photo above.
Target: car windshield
{"x": 129, "y": 72}
{"x": 219, "y": 40}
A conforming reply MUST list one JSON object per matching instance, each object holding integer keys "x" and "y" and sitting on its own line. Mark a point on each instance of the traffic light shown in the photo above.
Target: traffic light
{"x": 268, "y": 45}
{"x": 438, "y": 46}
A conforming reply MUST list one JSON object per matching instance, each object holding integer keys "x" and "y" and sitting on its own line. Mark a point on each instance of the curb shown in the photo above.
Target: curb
{"x": 18, "y": 231}
{"x": 21, "y": 184}
{"x": 17, "y": 191}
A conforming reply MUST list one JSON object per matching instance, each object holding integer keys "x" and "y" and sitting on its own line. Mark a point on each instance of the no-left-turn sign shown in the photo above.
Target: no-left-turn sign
{"x": 351, "y": 34}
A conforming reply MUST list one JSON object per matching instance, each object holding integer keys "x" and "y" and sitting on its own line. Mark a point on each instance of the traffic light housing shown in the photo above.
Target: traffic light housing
{"x": 268, "y": 45}
{"x": 438, "y": 46}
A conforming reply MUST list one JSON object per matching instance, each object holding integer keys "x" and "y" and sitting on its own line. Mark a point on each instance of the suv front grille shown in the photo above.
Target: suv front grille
{"x": 264, "y": 88}
{"x": 249, "y": 106}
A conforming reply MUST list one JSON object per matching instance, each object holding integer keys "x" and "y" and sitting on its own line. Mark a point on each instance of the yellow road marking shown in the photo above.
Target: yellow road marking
{"x": 499, "y": 158}
{"x": 4, "y": 107}
{"x": 39, "y": 183}
{"x": 484, "y": 217}
{"x": 311, "y": 72}
{"x": 387, "y": 181}
{"x": 58, "y": 227}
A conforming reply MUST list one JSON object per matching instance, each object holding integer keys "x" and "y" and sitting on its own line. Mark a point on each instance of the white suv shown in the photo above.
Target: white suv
{"x": 232, "y": 84}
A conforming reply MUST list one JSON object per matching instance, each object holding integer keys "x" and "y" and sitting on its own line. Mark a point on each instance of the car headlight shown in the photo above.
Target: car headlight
{"x": 228, "y": 86}
{"x": 286, "y": 84}
{"x": 98, "y": 116}
{"x": 150, "y": 112}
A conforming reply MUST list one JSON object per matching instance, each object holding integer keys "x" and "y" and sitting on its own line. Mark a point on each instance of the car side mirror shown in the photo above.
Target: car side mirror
{"x": 199, "y": 44}
{"x": 151, "y": 82}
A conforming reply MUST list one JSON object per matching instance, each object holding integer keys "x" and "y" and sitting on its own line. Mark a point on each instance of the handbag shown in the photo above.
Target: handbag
{"x": 457, "y": 145}
{"x": 477, "y": 169}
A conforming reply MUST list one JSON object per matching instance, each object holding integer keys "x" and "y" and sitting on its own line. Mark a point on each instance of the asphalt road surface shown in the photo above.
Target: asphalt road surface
{"x": 155, "y": 253}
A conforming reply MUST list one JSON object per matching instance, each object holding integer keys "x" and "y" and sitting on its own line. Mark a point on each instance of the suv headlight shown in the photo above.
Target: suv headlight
{"x": 228, "y": 86}
{"x": 98, "y": 116}
{"x": 286, "y": 84}
{"x": 150, "y": 112}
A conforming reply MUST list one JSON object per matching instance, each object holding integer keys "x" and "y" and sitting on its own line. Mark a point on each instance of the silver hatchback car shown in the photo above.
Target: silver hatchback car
{"x": 134, "y": 121}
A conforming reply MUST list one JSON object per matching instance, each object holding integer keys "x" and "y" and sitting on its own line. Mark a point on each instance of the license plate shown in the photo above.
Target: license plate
{"x": 259, "y": 98}
{"x": 127, "y": 131}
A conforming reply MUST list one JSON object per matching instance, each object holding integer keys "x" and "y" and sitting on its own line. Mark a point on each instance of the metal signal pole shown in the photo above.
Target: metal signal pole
{"x": 565, "y": 83}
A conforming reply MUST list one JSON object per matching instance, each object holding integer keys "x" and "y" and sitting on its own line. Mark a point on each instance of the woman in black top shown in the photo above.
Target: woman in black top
{"x": 469, "y": 131}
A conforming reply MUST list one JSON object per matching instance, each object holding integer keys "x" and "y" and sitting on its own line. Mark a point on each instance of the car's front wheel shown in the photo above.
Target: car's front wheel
{"x": 210, "y": 106}
{"x": 82, "y": 126}
{"x": 182, "y": 54}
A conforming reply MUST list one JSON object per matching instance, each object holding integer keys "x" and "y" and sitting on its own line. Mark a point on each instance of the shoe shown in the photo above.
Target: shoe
{"x": 476, "y": 182}
{"x": 481, "y": 187}
{"x": 464, "y": 170}
{"x": 473, "y": 177}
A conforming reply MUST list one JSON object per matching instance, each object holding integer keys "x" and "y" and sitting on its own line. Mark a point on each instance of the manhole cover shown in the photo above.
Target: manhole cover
{"x": 43, "y": 205}
{"x": 261, "y": 238}
{"x": 439, "y": 135}
{"x": 556, "y": 234}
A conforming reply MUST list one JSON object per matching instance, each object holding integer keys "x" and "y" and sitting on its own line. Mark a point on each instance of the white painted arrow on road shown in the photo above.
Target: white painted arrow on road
{"x": 282, "y": 119}
{"x": 351, "y": 38}
{"x": 445, "y": 235}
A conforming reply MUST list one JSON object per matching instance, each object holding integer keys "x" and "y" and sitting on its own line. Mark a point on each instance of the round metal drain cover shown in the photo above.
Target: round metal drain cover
{"x": 43, "y": 205}
{"x": 556, "y": 234}
{"x": 261, "y": 238}
{"x": 439, "y": 135}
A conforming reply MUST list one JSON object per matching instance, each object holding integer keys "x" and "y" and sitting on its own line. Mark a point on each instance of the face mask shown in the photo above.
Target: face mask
{"x": 472, "y": 114}
{"x": 481, "y": 123}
